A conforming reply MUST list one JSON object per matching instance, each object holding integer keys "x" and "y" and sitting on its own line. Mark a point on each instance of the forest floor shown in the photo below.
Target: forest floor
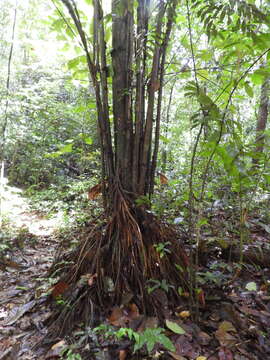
{"x": 27, "y": 256}
{"x": 234, "y": 306}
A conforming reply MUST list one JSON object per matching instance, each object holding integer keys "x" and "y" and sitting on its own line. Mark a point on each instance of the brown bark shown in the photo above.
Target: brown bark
{"x": 102, "y": 109}
{"x": 141, "y": 36}
{"x": 164, "y": 47}
{"x": 122, "y": 56}
{"x": 152, "y": 88}
{"x": 127, "y": 157}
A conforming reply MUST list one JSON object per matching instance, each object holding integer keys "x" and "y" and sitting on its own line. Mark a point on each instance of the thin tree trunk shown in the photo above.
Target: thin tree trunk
{"x": 153, "y": 86}
{"x": 171, "y": 14}
{"x": 164, "y": 152}
{"x": 262, "y": 118}
{"x": 102, "y": 109}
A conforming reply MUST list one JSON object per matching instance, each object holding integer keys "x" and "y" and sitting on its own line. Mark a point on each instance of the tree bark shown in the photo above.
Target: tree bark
{"x": 153, "y": 86}
{"x": 262, "y": 119}
{"x": 122, "y": 57}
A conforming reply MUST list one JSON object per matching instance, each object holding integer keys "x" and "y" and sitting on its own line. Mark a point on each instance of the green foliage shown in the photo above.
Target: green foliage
{"x": 149, "y": 337}
{"x": 174, "y": 327}
{"x": 156, "y": 284}
{"x": 162, "y": 249}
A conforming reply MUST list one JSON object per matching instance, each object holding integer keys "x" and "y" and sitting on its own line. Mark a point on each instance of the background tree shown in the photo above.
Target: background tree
{"x": 262, "y": 117}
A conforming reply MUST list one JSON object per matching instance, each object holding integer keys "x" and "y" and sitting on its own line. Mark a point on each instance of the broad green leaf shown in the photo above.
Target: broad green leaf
{"x": 174, "y": 327}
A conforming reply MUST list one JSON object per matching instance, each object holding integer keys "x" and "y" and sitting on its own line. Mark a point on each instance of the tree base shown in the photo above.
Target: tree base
{"x": 133, "y": 258}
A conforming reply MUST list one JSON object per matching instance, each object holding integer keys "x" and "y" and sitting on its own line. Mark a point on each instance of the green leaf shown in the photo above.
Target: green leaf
{"x": 164, "y": 139}
{"x": 77, "y": 60}
{"x": 88, "y": 141}
{"x": 66, "y": 149}
{"x": 166, "y": 342}
{"x": 248, "y": 89}
{"x": 251, "y": 286}
{"x": 174, "y": 327}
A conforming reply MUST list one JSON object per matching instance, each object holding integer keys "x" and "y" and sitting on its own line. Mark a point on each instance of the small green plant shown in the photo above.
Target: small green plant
{"x": 149, "y": 337}
{"x": 68, "y": 354}
{"x": 158, "y": 285}
{"x": 162, "y": 249}
{"x": 106, "y": 330}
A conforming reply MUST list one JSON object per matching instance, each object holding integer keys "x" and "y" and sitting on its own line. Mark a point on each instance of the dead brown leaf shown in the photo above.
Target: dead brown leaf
{"x": 117, "y": 317}
{"x": 94, "y": 191}
{"x": 122, "y": 354}
{"x": 59, "y": 288}
{"x": 176, "y": 357}
{"x": 203, "y": 338}
{"x": 225, "y": 354}
{"x": 163, "y": 179}
{"x": 148, "y": 322}
{"x": 225, "y": 338}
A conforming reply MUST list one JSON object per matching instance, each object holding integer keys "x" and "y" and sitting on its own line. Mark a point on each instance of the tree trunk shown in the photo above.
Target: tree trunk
{"x": 124, "y": 247}
{"x": 262, "y": 119}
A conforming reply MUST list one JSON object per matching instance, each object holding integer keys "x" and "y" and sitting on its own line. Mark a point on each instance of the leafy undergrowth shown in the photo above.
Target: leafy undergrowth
{"x": 233, "y": 301}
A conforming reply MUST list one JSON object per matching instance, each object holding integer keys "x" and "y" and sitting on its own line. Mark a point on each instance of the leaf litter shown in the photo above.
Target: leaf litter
{"x": 234, "y": 319}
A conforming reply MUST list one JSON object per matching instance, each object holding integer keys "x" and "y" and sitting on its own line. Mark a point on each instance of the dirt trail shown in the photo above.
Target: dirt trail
{"x": 22, "y": 277}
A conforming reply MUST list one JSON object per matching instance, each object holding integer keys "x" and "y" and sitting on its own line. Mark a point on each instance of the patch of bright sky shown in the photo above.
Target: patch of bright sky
{"x": 47, "y": 47}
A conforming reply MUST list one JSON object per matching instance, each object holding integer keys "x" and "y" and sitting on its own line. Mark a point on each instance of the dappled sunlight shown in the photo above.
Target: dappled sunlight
{"x": 17, "y": 213}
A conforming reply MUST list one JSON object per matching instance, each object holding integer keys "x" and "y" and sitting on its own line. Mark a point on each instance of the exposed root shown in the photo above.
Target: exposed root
{"x": 120, "y": 258}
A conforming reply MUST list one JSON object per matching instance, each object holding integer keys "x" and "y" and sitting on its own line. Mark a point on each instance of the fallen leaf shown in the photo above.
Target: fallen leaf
{"x": 59, "y": 344}
{"x": 248, "y": 311}
{"x": 227, "y": 326}
{"x": 201, "y": 358}
{"x": 148, "y": 322}
{"x": 185, "y": 347}
{"x": 203, "y": 338}
{"x": 163, "y": 179}
{"x": 225, "y": 338}
{"x": 59, "y": 288}
{"x": 133, "y": 311}
{"x": 95, "y": 191}
{"x": 201, "y": 298}
{"x": 251, "y": 286}
{"x": 56, "y": 350}
{"x": 174, "y": 327}
{"x": 17, "y": 312}
{"x": 184, "y": 314}
{"x": 117, "y": 317}
{"x": 122, "y": 354}
{"x": 176, "y": 357}
{"x": 225, "y": 354}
